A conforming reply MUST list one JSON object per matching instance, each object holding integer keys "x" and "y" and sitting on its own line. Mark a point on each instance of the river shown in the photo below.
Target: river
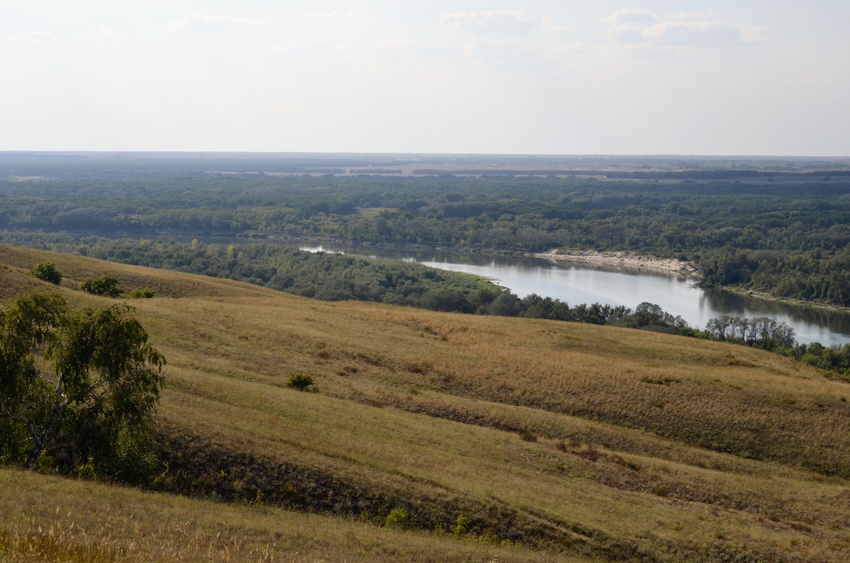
{"x": 581, "y": 283}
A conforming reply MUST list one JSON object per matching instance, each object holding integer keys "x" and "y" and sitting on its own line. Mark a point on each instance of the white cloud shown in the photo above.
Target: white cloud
{"x": 552, "y": 29}
{"x": 420, "y": 50}
{"x": 512, "y": 22}
{"x": 626, "y": 33}
{"x": 205, "y": 20}
{"x": 299, "y": 45}
{"x": 696, "y": 33}
{"x": 444, "y": 51}
{"x": 371, "y": 53}
{"x": 32, "y": 38}
{"x": 509, "y": 55}
{"x": 710, "y": 15}
{"x": 686, "y": 28}
{"x": 334, "y": 14}
{"x": 630, "y": 16}
{"x": 105, "y": 34}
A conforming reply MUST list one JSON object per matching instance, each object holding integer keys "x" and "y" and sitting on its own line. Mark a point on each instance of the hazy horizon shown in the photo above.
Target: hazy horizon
{"x": 647, "y": 156}
{"x": 470, "y": 77}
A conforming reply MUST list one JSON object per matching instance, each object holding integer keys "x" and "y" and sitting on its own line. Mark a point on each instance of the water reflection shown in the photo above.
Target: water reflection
{"x": 811, "y": 324}
{"x": 577, "y": 283}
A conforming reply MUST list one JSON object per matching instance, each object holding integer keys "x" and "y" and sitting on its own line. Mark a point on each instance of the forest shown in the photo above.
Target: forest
{"x": 783, "y": 234}
{"x": 775, "y": 227}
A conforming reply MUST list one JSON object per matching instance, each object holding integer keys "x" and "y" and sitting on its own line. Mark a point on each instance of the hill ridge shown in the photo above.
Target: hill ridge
{"x": 647, "y": 446}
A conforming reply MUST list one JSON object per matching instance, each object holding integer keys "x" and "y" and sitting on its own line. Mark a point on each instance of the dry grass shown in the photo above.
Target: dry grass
{"x": 51, "y": 519}
{"x": 605, "y": 442}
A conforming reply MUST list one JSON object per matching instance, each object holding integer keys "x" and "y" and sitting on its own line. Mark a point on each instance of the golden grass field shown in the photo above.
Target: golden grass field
{"x": 556, "y": 440}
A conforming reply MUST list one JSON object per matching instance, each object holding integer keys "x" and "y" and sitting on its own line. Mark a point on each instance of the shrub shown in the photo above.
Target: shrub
{"x": 300, "y": 381}
{"x": 461, "y": 526}
{"x": 106, "y": 286}
{"x": 397, "y": 518}
{"x": 141, "y": 293}
{"x": 48, "y": 272}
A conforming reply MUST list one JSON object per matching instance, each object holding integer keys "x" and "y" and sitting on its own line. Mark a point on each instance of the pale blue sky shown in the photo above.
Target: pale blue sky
{"x": 556, "y": 77}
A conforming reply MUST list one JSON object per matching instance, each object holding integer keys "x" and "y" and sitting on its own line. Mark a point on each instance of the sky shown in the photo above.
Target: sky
{"x": 643, "y": 77}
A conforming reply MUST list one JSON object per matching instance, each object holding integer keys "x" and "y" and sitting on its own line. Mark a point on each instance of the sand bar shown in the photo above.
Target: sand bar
{"x": 620, "y": 259}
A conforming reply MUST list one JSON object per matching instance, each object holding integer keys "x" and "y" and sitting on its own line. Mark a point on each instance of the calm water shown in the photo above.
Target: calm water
{"x": 579, "y": 283}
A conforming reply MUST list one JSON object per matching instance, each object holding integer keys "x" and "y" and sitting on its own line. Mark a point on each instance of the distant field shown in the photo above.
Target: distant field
{"x": 584, "y": 441}
{"x": 373, "y": 211}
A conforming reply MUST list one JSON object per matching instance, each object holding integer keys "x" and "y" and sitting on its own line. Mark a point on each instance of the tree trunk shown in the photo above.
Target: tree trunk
{"x": 41, "y": 439}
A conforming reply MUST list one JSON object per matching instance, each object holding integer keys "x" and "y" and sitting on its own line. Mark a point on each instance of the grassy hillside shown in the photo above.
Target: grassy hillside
{"x": 589, "y": 441}
{"x": 51, "y": 519}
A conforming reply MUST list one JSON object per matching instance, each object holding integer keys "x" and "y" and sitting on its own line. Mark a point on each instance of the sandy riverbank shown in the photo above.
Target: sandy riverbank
{"x": 621, "y": 259}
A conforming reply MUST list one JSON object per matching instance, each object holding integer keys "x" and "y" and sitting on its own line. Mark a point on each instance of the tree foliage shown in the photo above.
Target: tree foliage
{"x": 106, "y": 286}
{"x": 787, "y": 238}
{"x": 48, "y": 272}
{"x": 757, "y": 332}
{"x": 78, "y": 389}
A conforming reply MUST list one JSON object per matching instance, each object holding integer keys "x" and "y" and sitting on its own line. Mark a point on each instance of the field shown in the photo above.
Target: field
{"x": 501, "y": 439}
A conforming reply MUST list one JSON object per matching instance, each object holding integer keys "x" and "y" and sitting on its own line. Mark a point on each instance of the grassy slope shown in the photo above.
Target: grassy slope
{"x": 609, "y": 442}
{"x": 52, "y": 519}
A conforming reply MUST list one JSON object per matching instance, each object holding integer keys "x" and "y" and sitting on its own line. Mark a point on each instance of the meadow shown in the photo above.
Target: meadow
{"x": 495, "y": 438}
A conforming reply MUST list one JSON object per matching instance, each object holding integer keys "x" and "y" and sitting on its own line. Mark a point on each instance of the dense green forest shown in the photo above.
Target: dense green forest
{"x": 771, "y": 227}
{"x": 786, "y": 237}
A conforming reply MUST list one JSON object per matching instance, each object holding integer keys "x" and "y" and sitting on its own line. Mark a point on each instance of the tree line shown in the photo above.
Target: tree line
{"x": 787, "y": 239}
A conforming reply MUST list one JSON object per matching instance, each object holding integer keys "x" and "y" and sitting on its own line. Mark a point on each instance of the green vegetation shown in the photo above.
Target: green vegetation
{"x": 48, "y": 272}
{"x": 397, "y": 518}
{"x": 789, "y": 237}
{"x": 106, "y": 286}
{"x": 79, "y": 389}
{"x": 300, "y": 381}
{"x": 462, "y": 526}
{"x": 326, "y": 276}
{"x": 141, "y": 293}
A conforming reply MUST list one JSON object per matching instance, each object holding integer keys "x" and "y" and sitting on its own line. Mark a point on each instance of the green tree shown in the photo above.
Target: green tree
{"x": 300, "y": 381}
{"x": 78, "y": 389}
{"x": 506, "y": 305}
{"x": 106, "y": 285}
{"x": 48, "y": 272}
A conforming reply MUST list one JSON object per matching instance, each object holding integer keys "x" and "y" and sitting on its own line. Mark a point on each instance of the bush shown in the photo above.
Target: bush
{"x": 300, "y": 381}
{"x": 397, "y": 518}
{"x": 141, "y": 293}
{"x": 48, "y": 272}
{"x": 106, "y": 286}
{"x": 461, "y": 526}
